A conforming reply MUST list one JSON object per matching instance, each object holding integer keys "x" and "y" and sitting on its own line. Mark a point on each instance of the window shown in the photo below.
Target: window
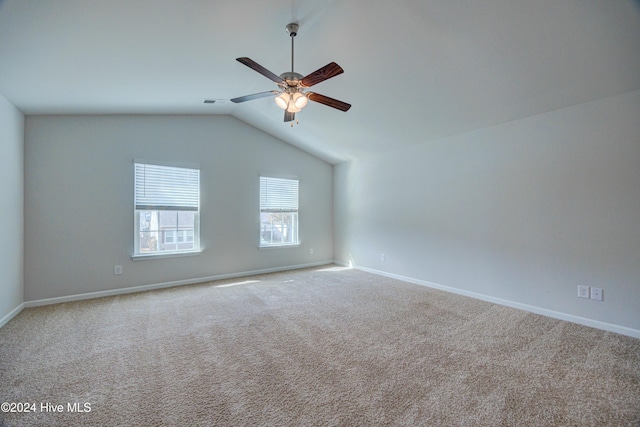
{"x": 167, "y": 205}
{"x": 169, "y": 236}
{"x": 278, "y": 212}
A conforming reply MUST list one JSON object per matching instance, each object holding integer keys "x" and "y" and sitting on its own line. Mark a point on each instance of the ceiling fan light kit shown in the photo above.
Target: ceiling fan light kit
{"x": 292, "y": 101}
{"x": 292, "y": 96}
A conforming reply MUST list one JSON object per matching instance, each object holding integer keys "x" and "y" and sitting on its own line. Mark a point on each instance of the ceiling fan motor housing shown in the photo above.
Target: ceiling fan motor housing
{"x": 291, "y": 78}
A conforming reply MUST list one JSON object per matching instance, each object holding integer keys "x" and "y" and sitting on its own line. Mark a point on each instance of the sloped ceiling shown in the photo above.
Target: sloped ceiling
{"x": 415, "y": 70}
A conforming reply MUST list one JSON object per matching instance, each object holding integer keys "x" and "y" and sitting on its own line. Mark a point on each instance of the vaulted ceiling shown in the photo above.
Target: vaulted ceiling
{"x": 415, "y": 70}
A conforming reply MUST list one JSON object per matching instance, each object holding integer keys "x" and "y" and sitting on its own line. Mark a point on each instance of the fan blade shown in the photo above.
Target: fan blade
{"x": 342, "y": 106}
{"x": 322, "y": 74}
{"x": 288, "y": 117}
{"x": 254, "y": 96}
{"x": 259, "y": 68}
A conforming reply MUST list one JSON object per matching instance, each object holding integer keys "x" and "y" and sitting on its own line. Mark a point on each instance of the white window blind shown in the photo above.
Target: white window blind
{"x": 278, "y": 195}
{"x": 166, "y": 188}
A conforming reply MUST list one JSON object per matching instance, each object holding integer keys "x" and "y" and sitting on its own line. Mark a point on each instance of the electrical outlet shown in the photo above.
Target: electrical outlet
{"x": 383, "y": 257}
{"x": 596, "y": 294}
{"x": 310, "y": 251}
{"x": 583, "y": 291}
{"x": 117, "y": 269}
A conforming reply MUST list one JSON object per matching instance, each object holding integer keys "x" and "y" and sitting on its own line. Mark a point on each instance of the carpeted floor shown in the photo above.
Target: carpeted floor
{"x": 325, "y": 346}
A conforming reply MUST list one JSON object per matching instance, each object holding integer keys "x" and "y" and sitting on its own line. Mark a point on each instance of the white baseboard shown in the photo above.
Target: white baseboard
{"x": 143, "y": 288}
{"x": 635, "y": 333}
{"x": 530, "y": 308}
{"x": 13, "y": 313}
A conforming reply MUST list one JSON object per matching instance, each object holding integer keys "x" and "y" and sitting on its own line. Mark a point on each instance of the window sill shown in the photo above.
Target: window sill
{"x": 164, "y": 255}
{"x": 268, "y": 247}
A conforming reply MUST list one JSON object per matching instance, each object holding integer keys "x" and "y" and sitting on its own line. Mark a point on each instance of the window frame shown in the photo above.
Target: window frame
{"x": 196, "y": 249}
{"x": 295, "y": 218}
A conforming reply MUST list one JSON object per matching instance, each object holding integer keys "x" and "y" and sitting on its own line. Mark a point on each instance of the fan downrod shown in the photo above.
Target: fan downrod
{"x": 292, "y": 78}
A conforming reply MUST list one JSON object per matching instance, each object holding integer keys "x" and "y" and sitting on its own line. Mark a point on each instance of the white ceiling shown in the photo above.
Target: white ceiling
{"x": 415, "y": 70}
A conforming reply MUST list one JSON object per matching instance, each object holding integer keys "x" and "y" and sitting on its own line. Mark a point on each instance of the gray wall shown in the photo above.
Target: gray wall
{"x": 79, "y": 200}
{"x": 523, "y": 212}
{"x": 11, "y": 208}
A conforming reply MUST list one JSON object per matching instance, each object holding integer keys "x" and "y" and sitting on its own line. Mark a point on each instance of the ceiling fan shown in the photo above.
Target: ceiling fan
{"x": 292, "y": 96}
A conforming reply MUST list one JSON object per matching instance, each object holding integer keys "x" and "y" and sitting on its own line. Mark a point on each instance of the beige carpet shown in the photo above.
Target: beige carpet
{"x": 324, "y": 346}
